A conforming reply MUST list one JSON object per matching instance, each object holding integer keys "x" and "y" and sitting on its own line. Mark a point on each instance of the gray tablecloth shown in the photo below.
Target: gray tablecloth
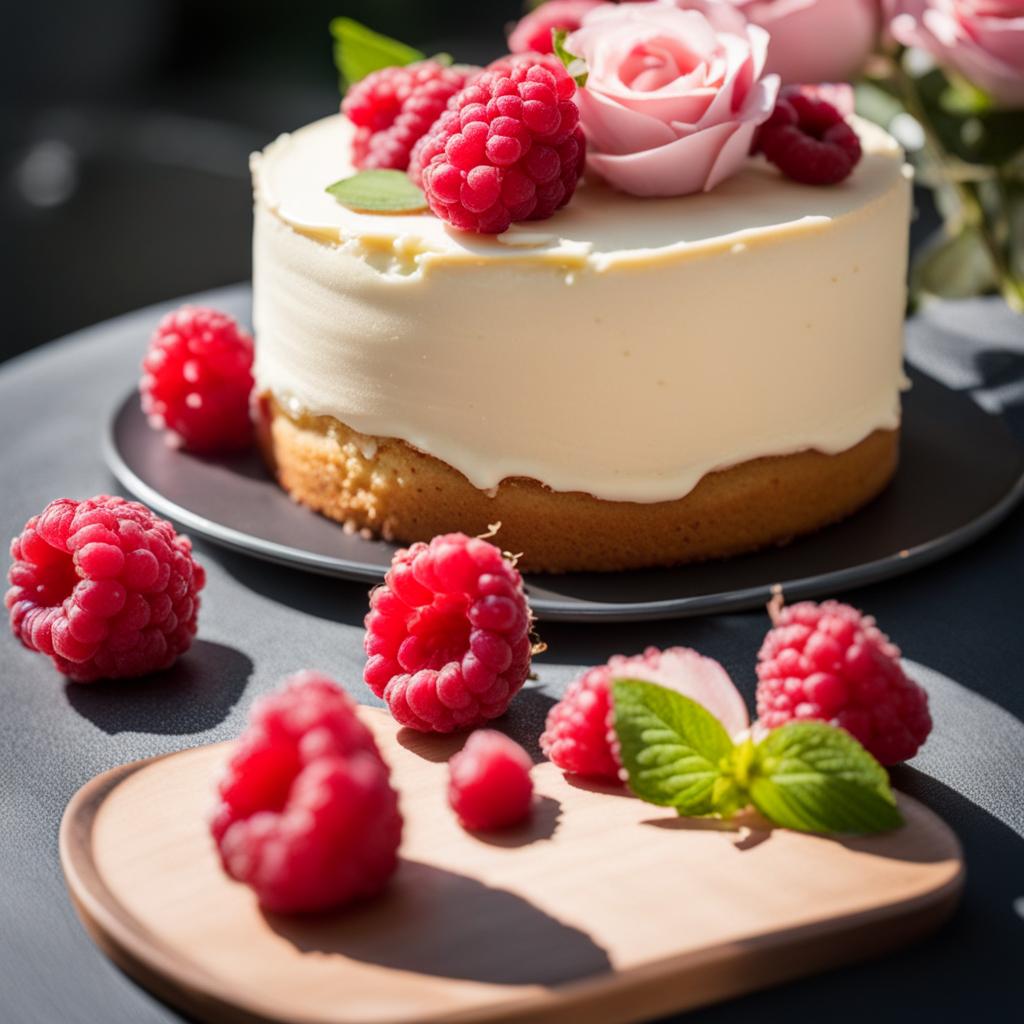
{"x": 959, "y": 623}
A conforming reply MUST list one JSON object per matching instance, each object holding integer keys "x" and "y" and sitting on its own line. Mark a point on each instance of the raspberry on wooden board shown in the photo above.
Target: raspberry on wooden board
{"x": 306, "y": 813}
{"x": 579, "y": 736}
{"x": 489, "y": 785}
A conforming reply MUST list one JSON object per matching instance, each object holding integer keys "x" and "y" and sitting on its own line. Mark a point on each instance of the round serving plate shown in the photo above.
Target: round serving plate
{"x": 961, "y": 472}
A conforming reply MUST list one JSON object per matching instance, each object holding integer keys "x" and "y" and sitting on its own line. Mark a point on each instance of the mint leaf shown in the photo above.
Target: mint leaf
{"x": 671, "y": 747}
{"x": 379, "y": 192}
{"x": 813, "y": 777}
{"x": 576, "y": 66}
{"x": 359, "y": 50}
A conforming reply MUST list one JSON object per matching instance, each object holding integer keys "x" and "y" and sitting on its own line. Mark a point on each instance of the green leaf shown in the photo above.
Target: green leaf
{"x": 379, "y": 192}
{"x": 671, "y": 747}
{"x": 952, "y": 267}
{"x": 358, "y": 50}
{"x": 576, "y": 66}
{"x": 874, "y": 103}
{"x": 813, "y": 777}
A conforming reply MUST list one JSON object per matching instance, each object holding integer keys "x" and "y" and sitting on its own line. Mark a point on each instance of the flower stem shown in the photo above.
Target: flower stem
{"x": 973, "y": 212}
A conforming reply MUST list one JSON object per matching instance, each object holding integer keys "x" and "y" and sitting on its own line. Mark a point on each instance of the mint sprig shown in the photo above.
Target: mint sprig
{"x": 807, "y": 776}
{"x": 670, "y": 745}
{"x": 379, "y": 191}
{"x": 816, "y": 778}
{"x": 359, "y": 50}
{"x": 576, "y": 66}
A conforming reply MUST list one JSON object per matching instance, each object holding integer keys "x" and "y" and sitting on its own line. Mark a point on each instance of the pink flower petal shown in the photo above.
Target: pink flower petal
{"x": 701, "y": 679}
{"x": 613, "y": 128}
{"x": 679, "y": 168}
{"x": 672, "y": 96}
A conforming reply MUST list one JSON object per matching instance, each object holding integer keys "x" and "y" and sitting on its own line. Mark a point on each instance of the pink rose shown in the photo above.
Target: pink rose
{"x": 672, "y": 96}
{"x": 533, "y": 32}
{"x": 815, "y": 40}
{"x": 983, "y": 40}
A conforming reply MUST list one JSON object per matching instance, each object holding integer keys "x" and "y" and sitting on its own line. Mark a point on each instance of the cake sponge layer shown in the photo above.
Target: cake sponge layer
{"x": 387, "y": 486}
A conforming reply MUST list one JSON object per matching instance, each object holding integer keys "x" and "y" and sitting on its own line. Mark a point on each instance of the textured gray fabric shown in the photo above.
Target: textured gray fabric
{"x": 959, "y": 623}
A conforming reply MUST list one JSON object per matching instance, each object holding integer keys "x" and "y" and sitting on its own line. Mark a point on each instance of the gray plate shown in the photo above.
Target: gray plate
{"x": 961, "y": 473}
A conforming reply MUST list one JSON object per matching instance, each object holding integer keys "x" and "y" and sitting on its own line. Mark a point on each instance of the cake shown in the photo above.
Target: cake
{"x": 632, "y": 382}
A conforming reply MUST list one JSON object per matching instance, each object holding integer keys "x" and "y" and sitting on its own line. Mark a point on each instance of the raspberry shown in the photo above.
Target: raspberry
{"x": 393, "y": 108}
{"x": 448, "y": 634}
{"x": 489, "y": 783}
{"x": 579, "y": 736}
{"x": 508, "y": 148}
{"x": 507, "y": 63}
{"x": 808, "y": 139}
{"x": 306, "y": 813}
{"x": 103, "y": 588}
{"x": 197, "y": 378}
{"x": 830, "y": 662}
{"x": 533, "y": 31}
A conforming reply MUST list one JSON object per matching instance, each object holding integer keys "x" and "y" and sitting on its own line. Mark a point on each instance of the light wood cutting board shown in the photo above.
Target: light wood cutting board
{"x": 603, "y": 909}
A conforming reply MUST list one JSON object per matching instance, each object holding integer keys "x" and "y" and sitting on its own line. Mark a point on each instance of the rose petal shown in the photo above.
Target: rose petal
{"x": 731, "y": 156}
{"x": 667, "y": 91}
{"x": 676, "y": 169}
{"x": 817, "y": 40}
{"x": 989, "y": 51}
{"x": 613, "y": 128}
{"x": 701, "y": 679}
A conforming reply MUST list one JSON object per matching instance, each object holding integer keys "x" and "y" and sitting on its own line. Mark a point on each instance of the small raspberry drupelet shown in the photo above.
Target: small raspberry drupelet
{"x": 448, "y": 634}
{"x": 394, "y": 107}
{"x": 489, "y": 784}
{"x": 103, "y": 588}
{"x": 579, "y": 736}
{"x": 808, "y": 139}
{"x": 306, "y": 815}
{"x": 197, "y": 379}
{"x": 829, "y": 662}
{"x": 508, "y": 148}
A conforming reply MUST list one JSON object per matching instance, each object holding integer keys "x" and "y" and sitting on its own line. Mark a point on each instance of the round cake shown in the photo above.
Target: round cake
{"x": 633, "y": 382}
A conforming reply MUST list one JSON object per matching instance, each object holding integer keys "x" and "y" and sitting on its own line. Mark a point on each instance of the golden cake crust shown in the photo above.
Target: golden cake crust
{"x": 387, "y": 486}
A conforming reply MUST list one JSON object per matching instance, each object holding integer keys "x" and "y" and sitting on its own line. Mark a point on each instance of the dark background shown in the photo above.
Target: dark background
{"x": 127, "y": 130}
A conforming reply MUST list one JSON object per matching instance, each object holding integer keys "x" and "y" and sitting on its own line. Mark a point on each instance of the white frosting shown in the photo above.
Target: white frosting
{"x": 625, "y": 347}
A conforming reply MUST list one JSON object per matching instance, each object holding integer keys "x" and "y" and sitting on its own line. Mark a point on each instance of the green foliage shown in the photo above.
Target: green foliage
{"x": 379, "y": 192}
{"x": 808, "y": 776}
{"x": 359, "y": 50}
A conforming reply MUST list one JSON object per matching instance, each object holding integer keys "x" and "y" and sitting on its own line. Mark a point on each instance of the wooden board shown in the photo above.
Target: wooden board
{"x": 603, "y": 909}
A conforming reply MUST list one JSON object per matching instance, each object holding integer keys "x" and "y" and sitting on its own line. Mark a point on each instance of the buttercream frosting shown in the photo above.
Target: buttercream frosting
{"x": 625, "y": 347}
